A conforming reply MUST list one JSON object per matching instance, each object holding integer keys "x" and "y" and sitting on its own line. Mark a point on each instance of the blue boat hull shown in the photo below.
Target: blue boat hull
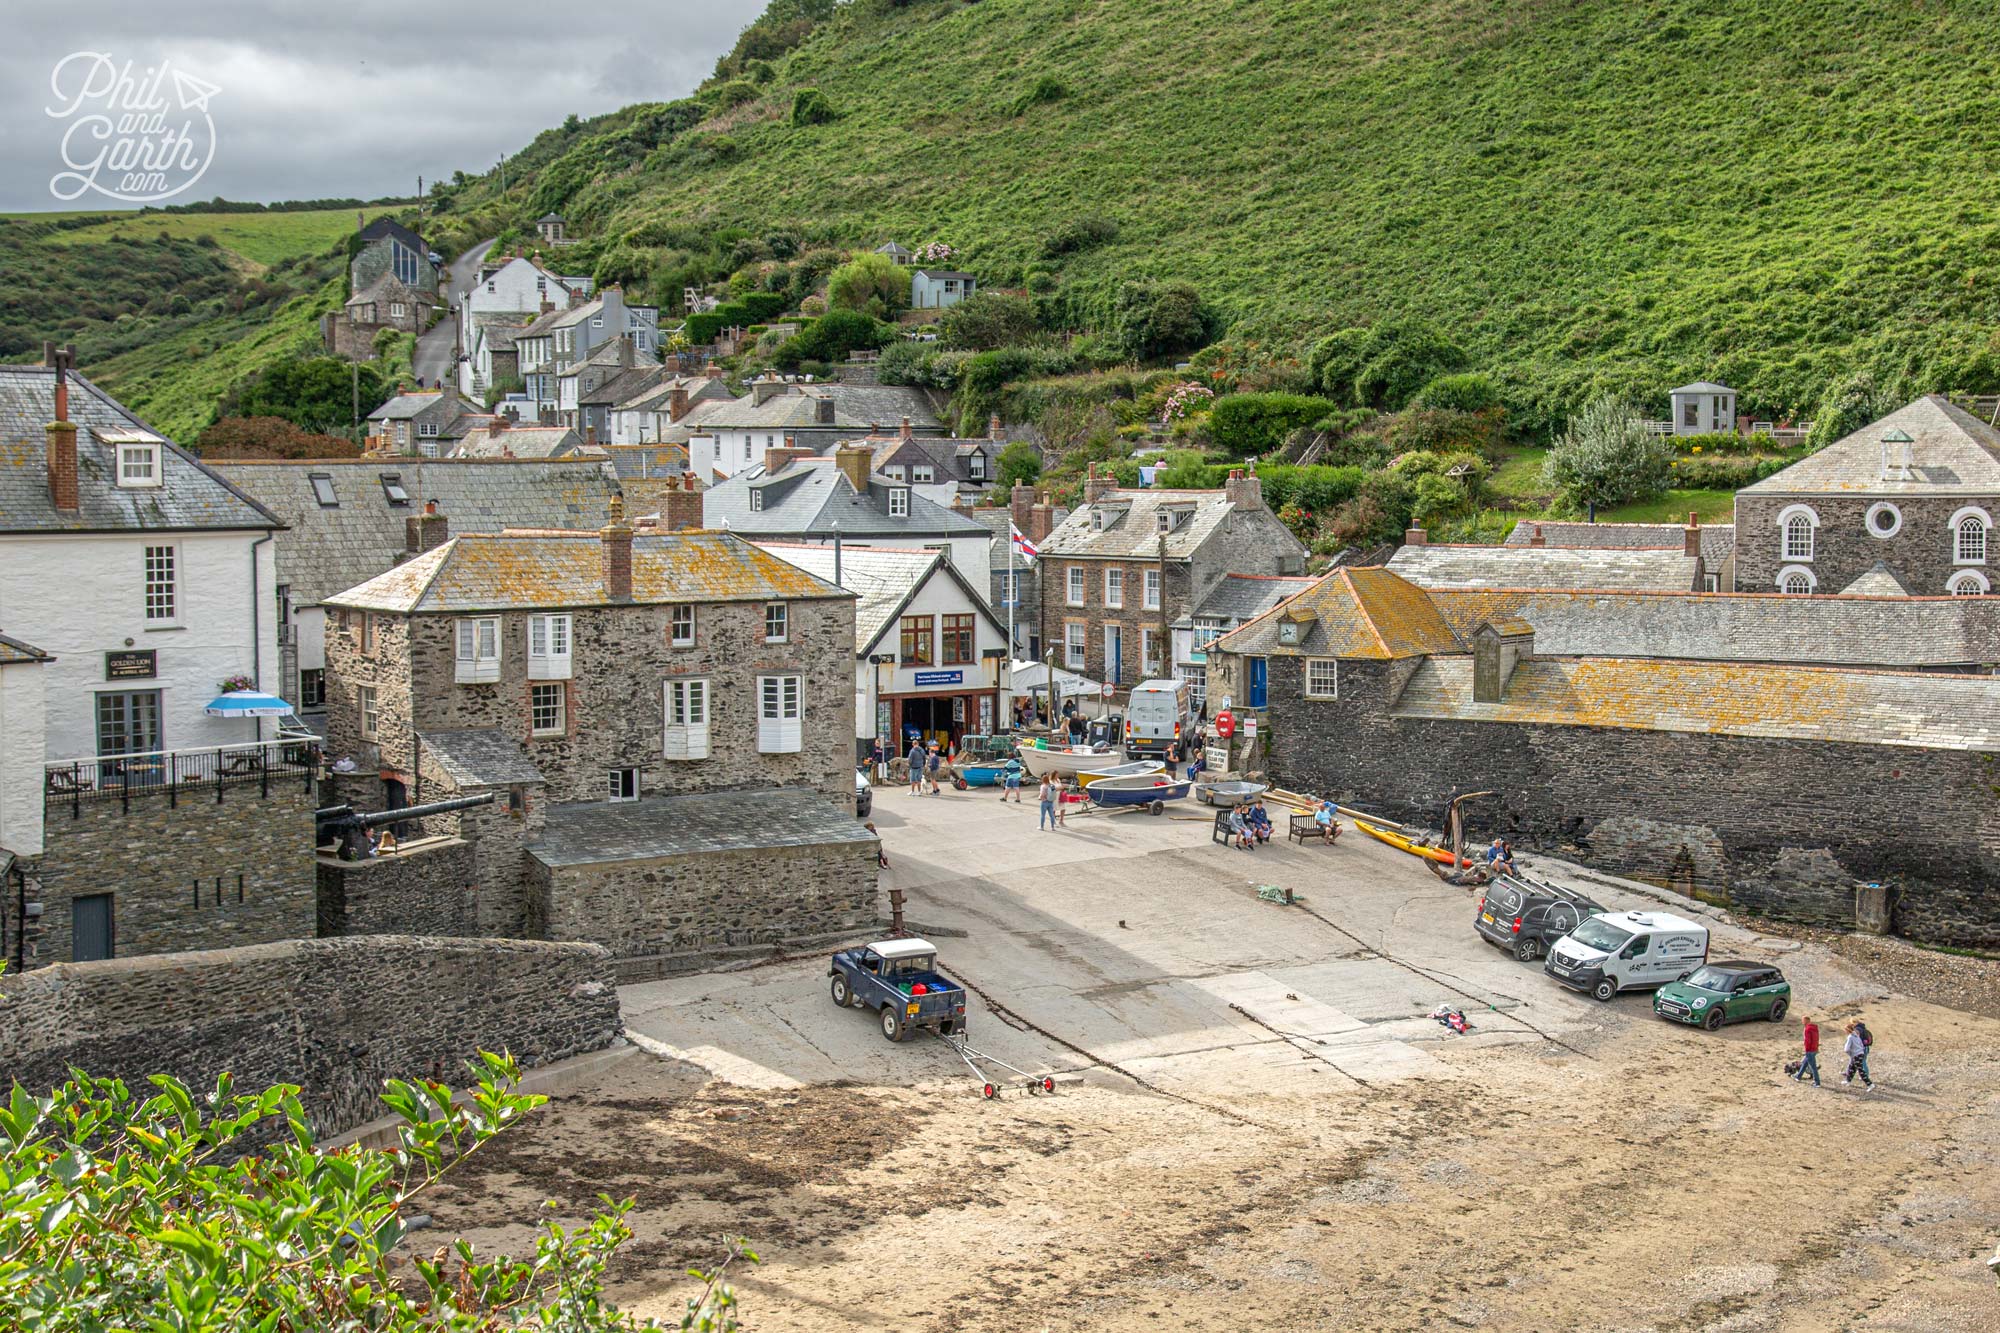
{"x": 1116, "y": 797}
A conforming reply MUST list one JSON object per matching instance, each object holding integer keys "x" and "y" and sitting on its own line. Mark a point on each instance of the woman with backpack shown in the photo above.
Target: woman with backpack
{"x": 1859, "y": 1039}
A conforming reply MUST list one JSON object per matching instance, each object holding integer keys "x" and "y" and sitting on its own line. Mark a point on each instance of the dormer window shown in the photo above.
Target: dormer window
{"x": 1097, "y": 520}
{"x": 139, "y": 464}
{"x": 975, "y": 466}
{"x": 756, "y": 502}
{"x": 920, "y": 474}
{"x": 899, "y": 502}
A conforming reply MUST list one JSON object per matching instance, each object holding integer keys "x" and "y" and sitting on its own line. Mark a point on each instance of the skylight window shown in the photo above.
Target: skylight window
{"x": 392, "y": 487}
{"x": 322, "y": 485}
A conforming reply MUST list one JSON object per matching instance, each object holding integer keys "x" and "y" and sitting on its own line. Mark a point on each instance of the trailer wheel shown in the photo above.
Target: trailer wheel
{"x": 843, "y": 995}
{"x": 892, "y": 1024}
{"x": 989, "y": 1092}
{"x": 1157, "y": 808}
{"x": 1048, "y": 1084}
{"x": 1202, "y": 798}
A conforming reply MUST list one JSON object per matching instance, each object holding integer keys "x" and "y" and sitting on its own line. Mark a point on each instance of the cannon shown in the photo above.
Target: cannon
{"x": 343, "y": 823}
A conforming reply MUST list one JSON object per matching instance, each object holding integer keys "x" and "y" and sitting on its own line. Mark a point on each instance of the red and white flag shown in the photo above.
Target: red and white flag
{"x": 1023, "y": 545}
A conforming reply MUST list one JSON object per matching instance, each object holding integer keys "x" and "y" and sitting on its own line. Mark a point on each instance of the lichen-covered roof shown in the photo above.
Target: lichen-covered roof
{"x": 14, "y": 652}
{"x": 1545, "y": 567}
{"x": 1952, "y": 453}
{"x": 1131, "y": 528}
{"x": 191, "y": 495}
{"x": 1717, "y": 539}
{"x": 595, "y": 832}
{"x": 481, "y": 757}
{"x": 1892, "y": 631}
{"x": 1356, "y": 613}
{"x": 884, "y": 578}
{"x": 1944, "y": 712}
{"x": 527, "y": 571}
{"x": 326, "y": 550}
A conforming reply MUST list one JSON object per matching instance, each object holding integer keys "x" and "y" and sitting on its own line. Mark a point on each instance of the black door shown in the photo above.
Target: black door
{"x": 90, "y": 927}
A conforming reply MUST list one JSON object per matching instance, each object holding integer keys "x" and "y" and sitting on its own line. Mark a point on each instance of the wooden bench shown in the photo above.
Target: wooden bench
{"x": 1306, "y": 828}
{"x": 1221, "y": 833}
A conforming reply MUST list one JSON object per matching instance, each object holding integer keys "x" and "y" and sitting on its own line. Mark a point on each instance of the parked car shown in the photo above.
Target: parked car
{"x": 864, "y": 794}
{"x": 1526, "y": 915}
{"x": 1727, "y": 992}
{"x": 1627, "y": 951}
{"x": 899, "y": 981}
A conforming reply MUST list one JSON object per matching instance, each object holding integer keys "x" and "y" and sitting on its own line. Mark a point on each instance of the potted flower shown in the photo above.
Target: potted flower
{"x": 233, "y": 684}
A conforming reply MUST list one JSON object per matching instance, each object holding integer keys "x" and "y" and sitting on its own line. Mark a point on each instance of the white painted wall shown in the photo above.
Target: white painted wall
{"x": 22, "y": 729}
{"x": 938, "y": 597}
{"x": 79, "y": 597}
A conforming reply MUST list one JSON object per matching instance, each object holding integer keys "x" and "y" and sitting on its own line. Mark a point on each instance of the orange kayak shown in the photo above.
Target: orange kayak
{"x": 1403, "y": 844}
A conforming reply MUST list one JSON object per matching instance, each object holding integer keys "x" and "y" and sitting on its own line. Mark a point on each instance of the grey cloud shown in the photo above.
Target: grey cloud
{"x": 363, "y": 97}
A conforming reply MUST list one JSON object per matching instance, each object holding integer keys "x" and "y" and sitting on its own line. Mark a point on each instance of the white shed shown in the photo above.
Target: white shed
{"x": 1703, "y": 408}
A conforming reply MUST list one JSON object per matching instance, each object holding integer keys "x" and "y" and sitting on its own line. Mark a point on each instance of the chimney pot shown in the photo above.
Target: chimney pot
{"x": 1691, "y": 535}
{"x": 1243, "y": 492}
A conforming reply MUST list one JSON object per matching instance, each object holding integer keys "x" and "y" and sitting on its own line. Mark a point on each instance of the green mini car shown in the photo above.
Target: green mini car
{"x": 1718, "y": 993}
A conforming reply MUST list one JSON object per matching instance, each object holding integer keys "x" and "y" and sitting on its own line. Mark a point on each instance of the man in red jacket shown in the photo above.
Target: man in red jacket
{"x": 1809, "y": 1064}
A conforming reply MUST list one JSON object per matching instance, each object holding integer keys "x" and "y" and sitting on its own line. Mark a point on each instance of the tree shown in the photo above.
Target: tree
{"x": 1383, "y": 366}
{"x": 1607, "y": 457}
{"x": 1245, "y": 425}
{"x": 986, "y": 320}
{"x": 1156, "y": 320}
{"x": 831, "y": 337}
{"x": 1019, "y": 462}
{"x": 182, "y": 1211}
{"x": 869, "y": 282}
{"x": 1847, "y": 406}
{"x": 269, "y": 437}
{"x": 317, "y": 393}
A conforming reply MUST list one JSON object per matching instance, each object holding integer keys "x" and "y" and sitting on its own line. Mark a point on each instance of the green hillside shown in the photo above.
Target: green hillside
{"x": 1585, "y": 195}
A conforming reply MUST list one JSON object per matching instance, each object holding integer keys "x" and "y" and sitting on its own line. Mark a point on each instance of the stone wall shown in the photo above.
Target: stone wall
{"x": 427, "y": 887}
{"x": 1844, "y": 548}
{"x": 1131, "y": 616}
{"x": 694, "y": 905}
{"x": 185, "y": 873}
{"x": 334, "y": 1016}
{"x": 1782, "y": 828}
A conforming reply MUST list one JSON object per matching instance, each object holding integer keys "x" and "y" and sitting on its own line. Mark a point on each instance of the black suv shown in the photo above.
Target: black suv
{"x": 1528, "y": 915}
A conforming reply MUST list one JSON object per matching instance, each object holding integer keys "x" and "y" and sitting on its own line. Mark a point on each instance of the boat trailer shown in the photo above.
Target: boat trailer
{"x": 1035, "y": 1084}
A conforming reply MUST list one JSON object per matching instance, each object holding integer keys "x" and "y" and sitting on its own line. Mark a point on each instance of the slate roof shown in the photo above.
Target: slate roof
{"x": 884, "y": 579}
{"x": 593, "y": 832}
{"x": 381, "y": 227}
{"x": 1952, "y": 453}
{"x": 780, "y": 411}
{"x": 1892, "y": 631}
{"x": 1718, "y": 540}
{"x": 1367, "y": 612}
{"x": 1132, "y": 529}
{"x": 327, "y": 550}
{"x": 627, "y": 383}
{"x": 388, "y": 287}
{"x": 14, "y": 652}
{"x": 481, "y": 757}
{"x": 943, "y": 273}
{"x": 1242, "y": 597}
{"x": 1877, "y": 581}
{"x": 1545, "y": 567}
{"x": 643, "y": 460}
{"x": 1945, "y": 712}
{"x": 1703, "y": 386}
{"x": 813, "y": 494}
{"x": 543, "y": 442}
{"x": 527, "y": 571}
{"x": 404, "y": 406}
{"x": 883, "y": 404}
{"x": 191, "y": 495}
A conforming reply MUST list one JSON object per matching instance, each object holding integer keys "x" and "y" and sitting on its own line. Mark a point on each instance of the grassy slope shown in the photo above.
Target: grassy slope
{"x": 259, "y": 239}
{"x": 1589, "y": 194}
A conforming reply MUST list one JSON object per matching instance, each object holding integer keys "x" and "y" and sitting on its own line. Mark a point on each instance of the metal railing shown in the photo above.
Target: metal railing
{"x": 179, "y": 773}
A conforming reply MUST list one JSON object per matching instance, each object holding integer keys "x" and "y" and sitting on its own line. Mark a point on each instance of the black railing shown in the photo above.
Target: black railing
{"x": 179, "y": 774}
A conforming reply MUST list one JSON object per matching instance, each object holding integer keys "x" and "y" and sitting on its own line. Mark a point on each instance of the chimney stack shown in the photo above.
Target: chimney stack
{"x": 680, "y": 506}
{"x": 616, "y": 537}
{"x": 1535, "y": 537}
{"x": 1244, "y": 493}
{"x": 777, "y": 460}
{"x": 548, "y": 306}
{"x": 1415, "y": 537}
{"x": 1021, "y": 507}
{"x": 856, "y": 462}
{"x": 677, "y": 403}
{"x": 906, "y": 434}
{"x": 426, "y": 531}
{"x": 764, "y": 390}
{"x": 625, "y": 351}
{"x": 993, "y": 431}
{"x": 823, "y": 410}
{"x": 61, "y": 434}
{"x": 1095, "y": 488}
{"x": 1691, "y": 535}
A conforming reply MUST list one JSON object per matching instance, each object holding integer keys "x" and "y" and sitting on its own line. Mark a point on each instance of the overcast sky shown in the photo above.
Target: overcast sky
{"x": 350, "y": 98}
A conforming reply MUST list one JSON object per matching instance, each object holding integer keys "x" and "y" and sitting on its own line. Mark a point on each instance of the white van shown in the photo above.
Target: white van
{"x": 1627, "y": 951}
{"x": 1159, "y": 717}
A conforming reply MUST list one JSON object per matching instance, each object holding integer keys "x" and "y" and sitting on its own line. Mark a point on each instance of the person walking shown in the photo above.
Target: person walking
{"x": 1809, "y": 1061}
{"x": 1046, "y": 794}
{"x": 931, "y": 768}
{"x": 916, "y": 758}
{"x": 1856, "y": 1051}
{"x": 1010, "y": 781}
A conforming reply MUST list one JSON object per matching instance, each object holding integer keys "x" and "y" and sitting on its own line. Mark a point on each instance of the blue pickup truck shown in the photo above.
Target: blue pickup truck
{"x": 899, "y": 981}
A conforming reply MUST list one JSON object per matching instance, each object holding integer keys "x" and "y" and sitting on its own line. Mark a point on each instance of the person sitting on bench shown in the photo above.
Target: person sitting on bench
{"x": 1329, "y": 827}
{"x": 1239, "y": 825}
{"x": 1257, "y": 821}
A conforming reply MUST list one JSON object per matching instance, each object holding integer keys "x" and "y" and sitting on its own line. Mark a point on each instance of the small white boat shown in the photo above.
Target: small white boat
{"x": 1145, "y": 768}
{"x": 1068, "y": 762}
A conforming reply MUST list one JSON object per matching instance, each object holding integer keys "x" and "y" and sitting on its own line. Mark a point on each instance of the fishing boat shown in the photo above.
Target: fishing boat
{"x": 1403, "y": 844}
{"x": 982, "y": 775}
{"x": 1149, "y": 792}
{"x": 1226, "y": 794}
{"x": 1143, "y": 769}
{"x": 1067, "y": 762}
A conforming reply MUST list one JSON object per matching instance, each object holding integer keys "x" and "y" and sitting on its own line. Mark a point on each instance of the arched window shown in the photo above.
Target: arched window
{"x": 1971, "y": 541}
{"x": 1798, "y": 538}
{"x": 1796, "y": 583}
{"x": 1971, "y": 583}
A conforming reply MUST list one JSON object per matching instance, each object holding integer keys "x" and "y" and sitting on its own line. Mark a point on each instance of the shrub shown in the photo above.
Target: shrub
{"x": 733, "y": 94}
{"x": 1077, "y": 235}
{"x": 1245, "y": 425}
{"x": 811, "y": 107}
{"x": 1446, "y": 429}
{"x": 1847, "y": 406}
{"x": 831, "y": 337}
{"x": 1470, "y": 392}
{"x": 1047, "y": 88}
{"x": 317, "y": 393}
{"x": 869, "y": 282}
{"x": 1383, "y": 366}
{"x": 269, "y": 437}
{"x": 1019, "y": 461}
{"x": 1606, "y": 457}
{"x": 986, "y": 320}
{"x": 1162, "y": 319}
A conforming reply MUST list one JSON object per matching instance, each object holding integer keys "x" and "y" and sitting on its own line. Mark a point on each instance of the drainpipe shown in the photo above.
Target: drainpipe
{"x": 257, "y": 627}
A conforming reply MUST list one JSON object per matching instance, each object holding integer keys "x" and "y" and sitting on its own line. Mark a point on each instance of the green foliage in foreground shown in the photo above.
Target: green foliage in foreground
{"x": 123, "y": 1212}
{"x": 1607, "y": 457}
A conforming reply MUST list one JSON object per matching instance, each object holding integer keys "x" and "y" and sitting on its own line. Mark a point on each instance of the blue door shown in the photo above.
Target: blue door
{"x": 1259, "y": 671}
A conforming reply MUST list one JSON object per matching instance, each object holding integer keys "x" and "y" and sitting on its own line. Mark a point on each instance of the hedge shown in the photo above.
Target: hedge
{"x": 747, "y": 309}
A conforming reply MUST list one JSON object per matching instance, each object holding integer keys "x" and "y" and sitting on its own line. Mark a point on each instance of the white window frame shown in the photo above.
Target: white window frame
{"x": 1790, "y": 572}
{"x": 370, "y": 711}
{"x": 397, "y": 310}
{"x": 1789, "y": 524}
{"x": 922, "y": 474}
{"x": 538, "y": 689}
{"x": 899, "y": 502}
{"x": 160, "y": 585}
{"x": 780, "y": 714}
{"x": 1010, "y": 587}
{"x": 1149, "y": 595}
{"x": 1326, "y": 686}
{"x": 1149, "y": 656}
{"x": 1114, "y": 588}
{"x": 476, "y": 656}
{"x": 1075, "y": 646}
{"x": 780, "y": 615}
{"x": 1895, "y": 520}
{"x": 680, "y": 611}
{"x": 147, "y": 457}
{"x": 1969, "y": 583}
{"x": 549, "y": 643}
{"x": 621, "y": 785}
{"x": 1969, "y": 520}
{"x": 1074, "y": 585}
{"x": 688, "y": 708}
{"x": 427, "y": 429}
{"x": 975, "y": 465}
{"x": 756, "y": 501}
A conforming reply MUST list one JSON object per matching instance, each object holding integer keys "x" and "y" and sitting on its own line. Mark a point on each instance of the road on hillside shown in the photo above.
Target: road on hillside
{"x": 437, "y": 350}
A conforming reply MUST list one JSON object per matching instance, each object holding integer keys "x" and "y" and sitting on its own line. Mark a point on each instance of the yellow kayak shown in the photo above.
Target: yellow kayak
{"x": 1403, "y": 844}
